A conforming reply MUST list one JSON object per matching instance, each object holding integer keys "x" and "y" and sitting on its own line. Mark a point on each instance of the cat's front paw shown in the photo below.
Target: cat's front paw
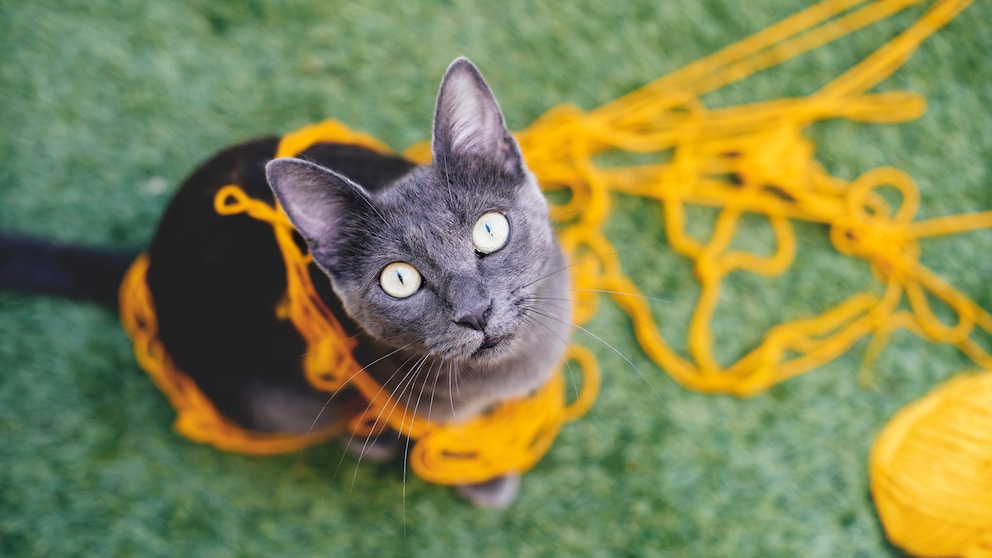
{"x": 495, "y": 493}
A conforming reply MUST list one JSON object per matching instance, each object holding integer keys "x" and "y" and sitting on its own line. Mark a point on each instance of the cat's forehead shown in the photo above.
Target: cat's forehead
{"x": 432, "y": 221}
{"x": 449, "y": 198}
{"x": 429, "y": 216}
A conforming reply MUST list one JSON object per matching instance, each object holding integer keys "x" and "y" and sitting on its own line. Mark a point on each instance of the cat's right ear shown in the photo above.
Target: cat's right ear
{"x": 468, "y": 122}
{"x": 315, "y": 199}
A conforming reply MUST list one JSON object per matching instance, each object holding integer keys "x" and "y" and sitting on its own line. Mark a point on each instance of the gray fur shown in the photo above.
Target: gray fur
{"x": 444, "y": 369}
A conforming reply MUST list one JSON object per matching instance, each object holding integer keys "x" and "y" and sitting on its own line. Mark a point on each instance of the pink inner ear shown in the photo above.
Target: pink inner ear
{"x": 473, "y": 123}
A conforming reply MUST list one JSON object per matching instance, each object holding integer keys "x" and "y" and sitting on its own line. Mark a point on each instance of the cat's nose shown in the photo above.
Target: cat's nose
{"x": 477, "y": 317}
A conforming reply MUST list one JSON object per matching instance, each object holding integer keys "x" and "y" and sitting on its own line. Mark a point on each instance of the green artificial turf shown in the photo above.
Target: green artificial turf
{"x": 106, "y": 105}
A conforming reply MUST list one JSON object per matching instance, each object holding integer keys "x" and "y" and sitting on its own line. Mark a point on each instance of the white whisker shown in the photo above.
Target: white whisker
{"x": 570, "y": 265}
{"x": 622, "y": 293}
{"x": 406, "y": 450}
{"x": 405, "y": 382}
{"x": 348, "y": 380}
{"x": 605, "y": 344}
{"x": 554, "y": 335}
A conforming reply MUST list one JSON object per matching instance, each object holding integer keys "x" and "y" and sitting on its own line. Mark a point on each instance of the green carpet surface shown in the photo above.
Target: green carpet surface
{"x": 106, "y": 106}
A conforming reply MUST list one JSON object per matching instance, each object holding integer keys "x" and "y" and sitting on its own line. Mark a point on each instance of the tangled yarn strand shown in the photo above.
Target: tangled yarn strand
{"x": 774, "y": 175}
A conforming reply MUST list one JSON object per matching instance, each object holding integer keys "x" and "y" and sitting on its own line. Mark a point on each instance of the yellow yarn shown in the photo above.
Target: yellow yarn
{"x": 931, "y": 471}
{"x": 197, "y": 418}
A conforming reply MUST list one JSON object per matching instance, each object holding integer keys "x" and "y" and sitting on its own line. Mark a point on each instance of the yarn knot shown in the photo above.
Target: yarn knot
{"x": 887, "y": 245}
{"x": 872, "y": 228}
{"x": 784, "y": 158}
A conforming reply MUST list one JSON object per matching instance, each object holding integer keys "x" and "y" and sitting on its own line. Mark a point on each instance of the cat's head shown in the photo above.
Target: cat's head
{"x": 448, "y": 259}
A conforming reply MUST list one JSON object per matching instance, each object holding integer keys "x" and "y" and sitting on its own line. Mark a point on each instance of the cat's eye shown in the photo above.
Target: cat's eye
{"x": 400, "y": 279}
{"x": 491, "y": 232}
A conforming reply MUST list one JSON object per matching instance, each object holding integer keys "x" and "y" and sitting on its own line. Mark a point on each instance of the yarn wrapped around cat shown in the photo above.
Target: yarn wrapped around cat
{"x": 197, "y": 304}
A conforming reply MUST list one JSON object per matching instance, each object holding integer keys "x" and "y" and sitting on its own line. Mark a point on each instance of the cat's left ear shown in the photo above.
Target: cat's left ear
{"x": 468, "y": 122}
{"x": 316, "y": 199}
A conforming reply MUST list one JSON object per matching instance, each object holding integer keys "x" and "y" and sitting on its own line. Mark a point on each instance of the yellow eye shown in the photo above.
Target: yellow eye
{"x": 400, "y": 279}
{"x": 491, "y": 232}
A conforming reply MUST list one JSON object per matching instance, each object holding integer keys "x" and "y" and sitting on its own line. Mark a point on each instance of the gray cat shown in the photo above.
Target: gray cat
{"x": 448, "y": 274}
{"x": 454, "y": 263}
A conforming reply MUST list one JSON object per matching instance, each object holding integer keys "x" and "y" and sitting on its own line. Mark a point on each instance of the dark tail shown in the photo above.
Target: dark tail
{"x": 39, "y": 266}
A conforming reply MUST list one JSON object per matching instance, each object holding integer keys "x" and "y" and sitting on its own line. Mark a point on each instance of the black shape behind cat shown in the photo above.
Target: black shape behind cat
{"x": 449, "y": 274}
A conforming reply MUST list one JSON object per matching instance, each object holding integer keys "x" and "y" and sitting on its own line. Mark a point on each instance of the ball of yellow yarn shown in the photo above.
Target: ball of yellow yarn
{"x": 931, "y": 471}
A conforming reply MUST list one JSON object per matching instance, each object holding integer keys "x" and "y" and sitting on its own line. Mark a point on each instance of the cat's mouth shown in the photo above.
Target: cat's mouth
{"x": 490, "y": 345}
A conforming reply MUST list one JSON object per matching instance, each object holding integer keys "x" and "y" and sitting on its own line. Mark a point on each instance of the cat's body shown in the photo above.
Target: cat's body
{"x": 448, "y": 274}
{"x": 216, "y": 281}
